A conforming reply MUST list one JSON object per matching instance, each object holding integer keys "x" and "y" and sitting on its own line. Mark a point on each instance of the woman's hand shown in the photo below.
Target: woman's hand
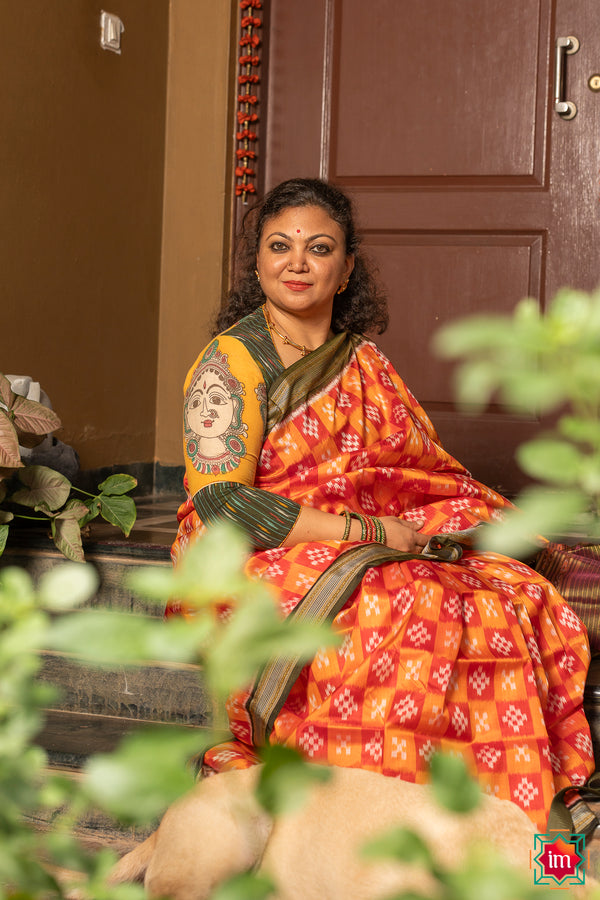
{"x": 402, "y": 535}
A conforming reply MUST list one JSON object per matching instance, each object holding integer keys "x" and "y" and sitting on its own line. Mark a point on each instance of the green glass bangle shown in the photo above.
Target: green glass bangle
{"x": 348, "y": 517}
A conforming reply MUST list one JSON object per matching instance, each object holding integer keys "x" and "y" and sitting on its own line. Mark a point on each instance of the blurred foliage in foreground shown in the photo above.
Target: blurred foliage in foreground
{"x": 539, "y": 364}
{"x": 149, "y": 770}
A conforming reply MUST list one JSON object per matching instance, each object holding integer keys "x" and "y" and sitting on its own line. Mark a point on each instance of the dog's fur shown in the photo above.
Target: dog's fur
{"x": 219, "y": 830}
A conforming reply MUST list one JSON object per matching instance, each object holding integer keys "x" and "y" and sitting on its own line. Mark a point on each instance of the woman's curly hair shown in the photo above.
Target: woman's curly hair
{"x": 361, "y": 308}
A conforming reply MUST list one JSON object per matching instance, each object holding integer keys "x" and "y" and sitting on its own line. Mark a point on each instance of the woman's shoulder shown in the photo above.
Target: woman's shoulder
{"x": 245, "y": 349}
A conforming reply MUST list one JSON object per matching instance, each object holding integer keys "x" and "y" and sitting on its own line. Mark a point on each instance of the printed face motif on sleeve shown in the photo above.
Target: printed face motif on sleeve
{"x": 213, "y": 415}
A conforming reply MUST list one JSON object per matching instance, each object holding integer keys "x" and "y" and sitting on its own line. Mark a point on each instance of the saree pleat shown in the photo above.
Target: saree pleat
{"x": 479, "y": 657}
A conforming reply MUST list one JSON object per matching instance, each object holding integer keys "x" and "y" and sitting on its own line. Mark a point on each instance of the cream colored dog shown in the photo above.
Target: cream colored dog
{"x": 218, "y": 830}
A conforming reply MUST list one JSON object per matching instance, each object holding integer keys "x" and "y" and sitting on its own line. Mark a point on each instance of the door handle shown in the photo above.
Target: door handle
{"x": 565, "y": 46}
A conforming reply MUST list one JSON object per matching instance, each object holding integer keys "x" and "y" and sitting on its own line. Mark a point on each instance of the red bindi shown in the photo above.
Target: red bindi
{"x": 297, "y": 231}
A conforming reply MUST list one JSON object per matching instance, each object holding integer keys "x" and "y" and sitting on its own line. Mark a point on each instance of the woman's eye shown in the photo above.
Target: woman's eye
{"x": 278, "y": 246}
{"x": 216, "y": 400}
{"x": 320, "y": 248}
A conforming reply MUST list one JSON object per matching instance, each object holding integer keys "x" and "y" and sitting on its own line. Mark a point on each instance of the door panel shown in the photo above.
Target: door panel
{"x": 437, "y": 118}
{"x": 422, "y": 93}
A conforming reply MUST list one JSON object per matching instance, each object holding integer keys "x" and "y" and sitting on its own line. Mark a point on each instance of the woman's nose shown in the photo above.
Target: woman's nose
{"x": 297, "y": 261}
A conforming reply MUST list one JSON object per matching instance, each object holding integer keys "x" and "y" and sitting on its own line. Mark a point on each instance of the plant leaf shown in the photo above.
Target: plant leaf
{"x": 7, "y": 394}
{"x": 247, "y": 886}
{"x": 66, "y": 535}
{"x": 3, "y": 537}
{"x": 74, "y": 507}
{"x": 540, "y": 511}
{"x": 33, "y": 417}
{"x": 452, "y": 785}
{"x": 66, "y": 586}
{"x": 118, "y": 484}
{"x": 399, "y": 843}
{"x": 110, "y": 637}
{"x": 10, "y": 455}
{"x": 43, "y": 486}
{"x": 92, "y": 506}
{"x": 550, "y": 459}
{"x": 146, "y": 773}
{"x": 286, "y": 778}
{"x": 119, "y": 511}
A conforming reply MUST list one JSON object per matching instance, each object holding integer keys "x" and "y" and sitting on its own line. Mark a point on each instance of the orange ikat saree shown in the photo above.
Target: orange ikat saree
{"x": 480, "y": 657}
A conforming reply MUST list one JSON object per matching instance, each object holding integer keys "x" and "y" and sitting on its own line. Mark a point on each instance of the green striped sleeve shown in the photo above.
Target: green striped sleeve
{"x": 266, "y": 518}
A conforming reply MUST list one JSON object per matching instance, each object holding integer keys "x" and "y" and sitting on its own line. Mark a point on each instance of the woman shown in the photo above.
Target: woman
{"x": 299, "y": 430}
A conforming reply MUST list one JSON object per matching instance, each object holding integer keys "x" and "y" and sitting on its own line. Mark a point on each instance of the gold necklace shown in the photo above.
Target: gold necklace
{"x": 302, "y": 348}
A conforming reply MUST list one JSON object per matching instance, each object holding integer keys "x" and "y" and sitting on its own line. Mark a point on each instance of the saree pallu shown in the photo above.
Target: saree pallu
{"x": 480, "y": 657}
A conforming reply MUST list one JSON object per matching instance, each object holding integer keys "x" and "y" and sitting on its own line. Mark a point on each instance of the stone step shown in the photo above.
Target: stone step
{"x": 97, "y": 705}
{"x": 171, "y": 693}
{"x": 112, "y": 562}
{"x": 70, "y": 738}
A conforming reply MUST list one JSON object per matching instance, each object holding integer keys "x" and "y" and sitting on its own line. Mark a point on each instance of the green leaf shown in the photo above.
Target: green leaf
{"x": 32, "y": 417}
{"x": 197, "y": 579}
{"x": 452, "y": 785}
{"x": 579, "y": 429}
{"x": 247, "y": 886}
{"x": 146, "y": 773}
{"x": 475, "y": 384}
{"x": 401, "y": 844}
{"x": 533, "y": 391}
{"x": 286, "y": 778}
{"x": 3, "y": 537}
{"x": 485, "y": 875}
{"x": 472, "y": 335}
{"x": 16, "y": 588}
{"x": 66, "y": 535}
{"x": 110, "y": 637}
{"x": 43, "y": 486}
{"x": 254, "y": 634}
{"x": 10, "y": 455}
{"x": 550, "y": 459}
{"x": 67, "y": 585}
{"x": 119, "y": 511}
{"x": 118, "y": 484}
{"x": 540, "y": 511}
{"x": 74, "y": 508}
{"x": 92, "y": 506}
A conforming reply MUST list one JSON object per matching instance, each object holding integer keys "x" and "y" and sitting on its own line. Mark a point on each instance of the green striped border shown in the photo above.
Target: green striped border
{"x": 321, "y": 603}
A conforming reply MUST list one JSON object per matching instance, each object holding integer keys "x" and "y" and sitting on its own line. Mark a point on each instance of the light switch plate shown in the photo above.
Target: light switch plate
{"x": 111, "y": 29}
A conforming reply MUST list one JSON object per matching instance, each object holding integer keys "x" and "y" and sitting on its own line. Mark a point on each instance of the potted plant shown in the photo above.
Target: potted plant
{"x": 39, "y": 493}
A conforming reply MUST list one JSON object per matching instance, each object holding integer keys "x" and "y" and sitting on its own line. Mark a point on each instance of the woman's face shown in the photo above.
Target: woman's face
{"x": 210, "y": 407}
{"x": 302, "y": 260}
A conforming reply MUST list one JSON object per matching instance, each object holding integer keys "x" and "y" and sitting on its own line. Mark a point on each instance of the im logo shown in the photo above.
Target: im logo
{"x": 559, "y": 859}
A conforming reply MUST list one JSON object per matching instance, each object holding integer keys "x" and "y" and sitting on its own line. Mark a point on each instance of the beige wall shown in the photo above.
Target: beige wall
{"x": 198, "y": 175}
{"x": 84, "y": 307}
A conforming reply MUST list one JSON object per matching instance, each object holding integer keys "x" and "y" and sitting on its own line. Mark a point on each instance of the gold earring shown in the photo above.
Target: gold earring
{"x": 257, "y": 275}
{"x": 343, "y": 286}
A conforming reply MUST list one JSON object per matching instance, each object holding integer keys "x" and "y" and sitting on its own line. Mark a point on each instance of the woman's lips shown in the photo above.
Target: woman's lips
{"x": 208, "y": 423}
{"x": 296, "y": 285}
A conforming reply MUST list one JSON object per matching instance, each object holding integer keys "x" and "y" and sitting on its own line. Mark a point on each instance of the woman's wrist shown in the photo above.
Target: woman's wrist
{"x": 359, "y": 527}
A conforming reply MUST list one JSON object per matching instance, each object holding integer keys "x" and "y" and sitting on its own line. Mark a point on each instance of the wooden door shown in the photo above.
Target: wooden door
{"x": 437, "y": 116}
